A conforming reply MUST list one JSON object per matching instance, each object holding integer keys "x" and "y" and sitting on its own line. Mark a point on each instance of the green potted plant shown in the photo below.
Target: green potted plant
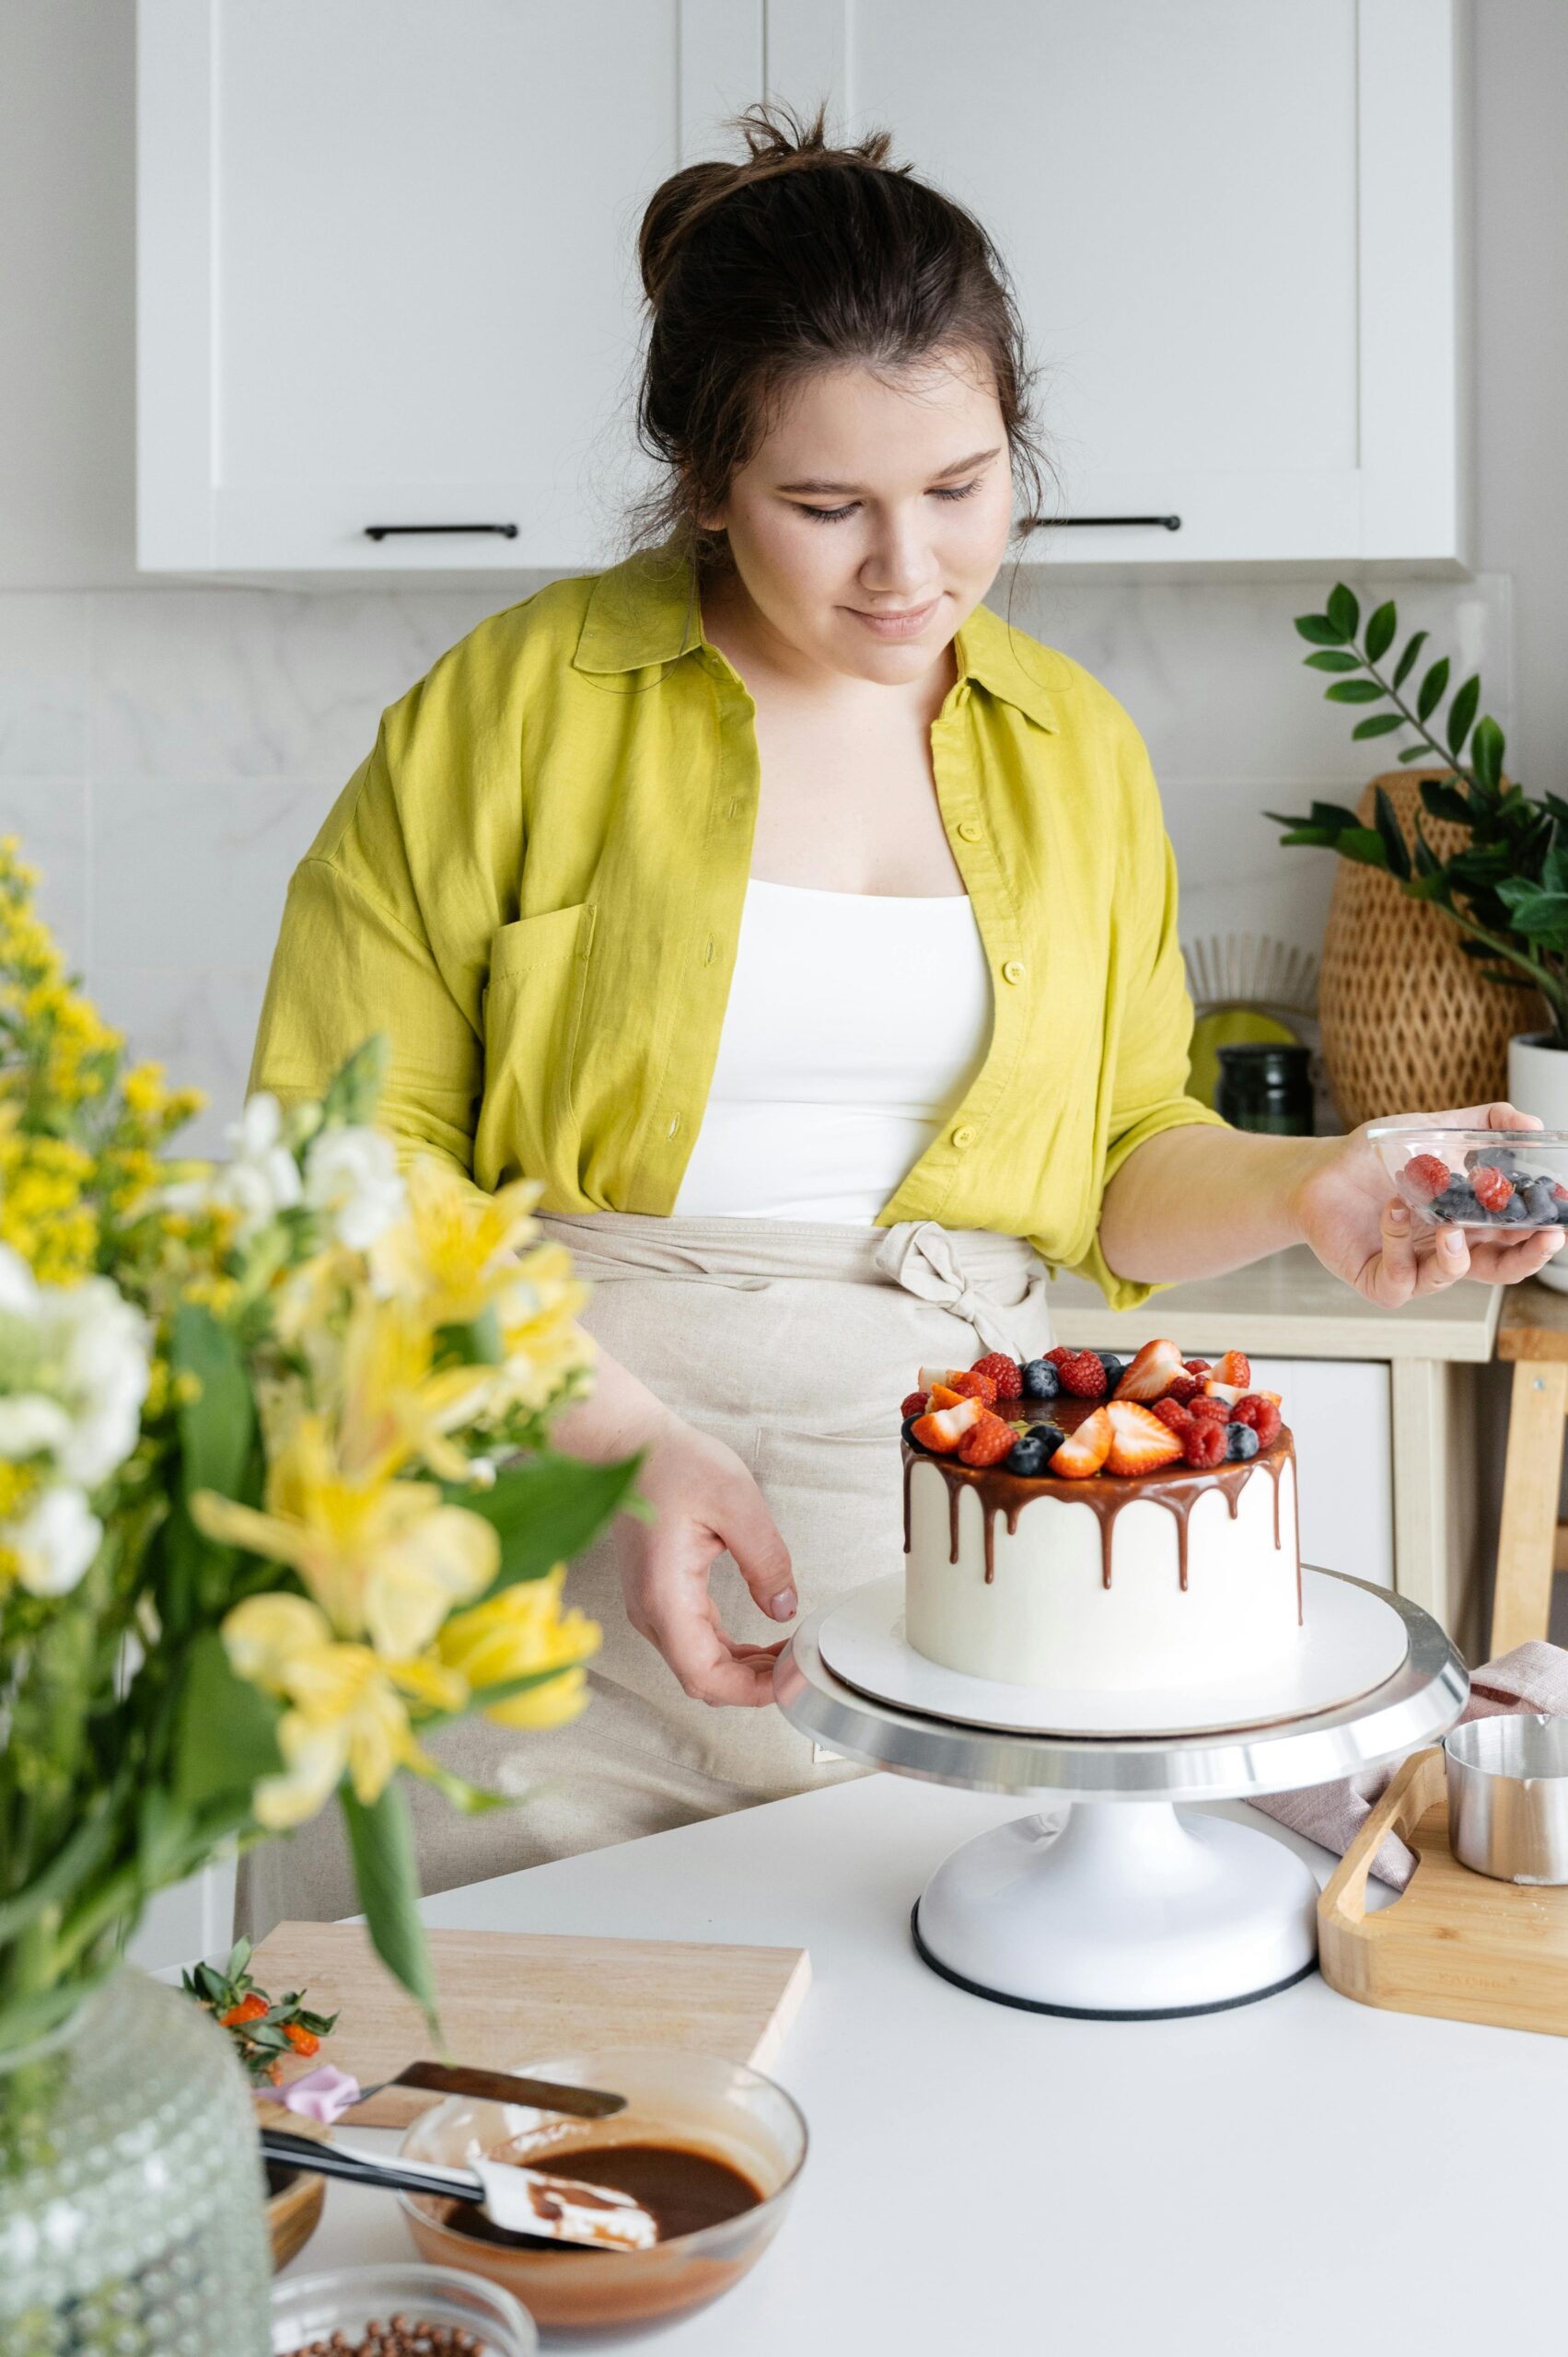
{"x": 1504, "y": 883}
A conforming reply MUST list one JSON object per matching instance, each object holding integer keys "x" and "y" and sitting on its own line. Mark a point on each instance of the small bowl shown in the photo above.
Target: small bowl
{"x": 294, "y": 2197}
{"x": 1533, "y": 1163}
{"x": 310, "y": 2308}
{"x": 701, "y": 2101}
{"x": 1508, "y": 1796}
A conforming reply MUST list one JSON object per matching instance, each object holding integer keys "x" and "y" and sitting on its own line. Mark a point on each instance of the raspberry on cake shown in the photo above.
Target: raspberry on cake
{"x": 987, "y": 1442}
{"x": 1007, "y": 1376}
{"x": 1083, "y": 1375}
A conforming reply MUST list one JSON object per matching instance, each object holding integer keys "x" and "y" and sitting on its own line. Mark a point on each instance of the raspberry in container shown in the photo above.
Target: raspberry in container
{"x": 1478, "y": 1178}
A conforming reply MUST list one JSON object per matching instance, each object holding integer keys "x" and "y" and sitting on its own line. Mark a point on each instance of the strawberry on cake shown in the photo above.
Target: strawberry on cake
{"x": 1148, "y": 1520}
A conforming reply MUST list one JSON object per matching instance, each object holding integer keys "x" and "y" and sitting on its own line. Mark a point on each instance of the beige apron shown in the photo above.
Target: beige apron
{"x": 793, "y": 1341}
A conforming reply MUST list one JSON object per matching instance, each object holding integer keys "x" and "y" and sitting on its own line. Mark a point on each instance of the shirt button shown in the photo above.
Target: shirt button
{"x": 1014, "y": 970}
{"x": 970, "y": 831}
{"x": 965, "y": 1136}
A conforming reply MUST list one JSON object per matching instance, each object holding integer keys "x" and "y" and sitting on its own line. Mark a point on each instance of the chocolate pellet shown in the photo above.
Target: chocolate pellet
{"x": 399, "y": 2337}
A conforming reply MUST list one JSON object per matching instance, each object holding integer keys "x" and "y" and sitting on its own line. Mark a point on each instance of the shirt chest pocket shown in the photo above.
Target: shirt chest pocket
{"x": 532, "y": 1013}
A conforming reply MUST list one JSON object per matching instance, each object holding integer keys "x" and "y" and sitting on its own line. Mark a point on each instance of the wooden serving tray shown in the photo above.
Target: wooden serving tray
{"x": 1455, "y": 1943}
{"x": 509, "y": 1997}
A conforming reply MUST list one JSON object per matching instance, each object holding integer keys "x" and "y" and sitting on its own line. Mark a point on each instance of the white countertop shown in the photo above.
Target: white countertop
{"x": 1286, "y": 1306}
{"x": 1299, "y": 2174}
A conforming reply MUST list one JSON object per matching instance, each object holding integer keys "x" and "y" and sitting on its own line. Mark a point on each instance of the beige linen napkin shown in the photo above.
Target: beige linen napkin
{"x": 1531, "y": 1678}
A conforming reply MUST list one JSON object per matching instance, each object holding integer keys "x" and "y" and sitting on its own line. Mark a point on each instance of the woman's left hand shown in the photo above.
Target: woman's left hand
{"x": 1364, "y": 1233}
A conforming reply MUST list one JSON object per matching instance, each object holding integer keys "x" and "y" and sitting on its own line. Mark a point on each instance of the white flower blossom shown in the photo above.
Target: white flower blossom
{"x": 31, "y": 1426}
{"x": 262, "y": 1178}
{"x": 18, "y": 1287}
{"x": 54, "y": 1542}
{"x": 351, "y": 1177}
{"x": 73, "y": 1368}
{"x": 104, "y": 1348}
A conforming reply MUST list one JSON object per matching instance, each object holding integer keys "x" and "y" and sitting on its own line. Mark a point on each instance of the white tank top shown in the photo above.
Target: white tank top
{"x": 856, "y": 1026}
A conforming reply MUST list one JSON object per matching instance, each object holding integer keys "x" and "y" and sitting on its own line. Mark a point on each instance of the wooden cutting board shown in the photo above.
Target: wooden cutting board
{"x": 1455, "y": 1943}
{"x": 512, "y": 1997}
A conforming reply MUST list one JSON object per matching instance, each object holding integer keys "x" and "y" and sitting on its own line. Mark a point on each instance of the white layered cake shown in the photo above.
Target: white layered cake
{"x": 1132, "y": 1552}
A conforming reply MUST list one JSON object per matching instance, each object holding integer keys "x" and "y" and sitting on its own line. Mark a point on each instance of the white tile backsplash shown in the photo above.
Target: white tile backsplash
{"x": 196, "y": 872}
{"x": 167, "y": 755}
{"x": 43, "y": 686}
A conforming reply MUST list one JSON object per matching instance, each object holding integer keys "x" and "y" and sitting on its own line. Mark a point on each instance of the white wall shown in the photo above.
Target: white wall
{"x": 167, "y": 752}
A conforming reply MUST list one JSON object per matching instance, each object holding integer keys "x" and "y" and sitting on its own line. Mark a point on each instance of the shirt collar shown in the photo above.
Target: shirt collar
{"x": 646, "y": 611}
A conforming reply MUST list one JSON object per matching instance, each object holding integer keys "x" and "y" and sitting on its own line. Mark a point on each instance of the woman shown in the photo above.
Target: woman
{"x": 811, "y": 933}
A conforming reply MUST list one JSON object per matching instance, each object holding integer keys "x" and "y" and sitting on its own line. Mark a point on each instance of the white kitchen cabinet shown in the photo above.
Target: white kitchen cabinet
{"x": 387, "y": 273}
{"x": 1237, "y": 231}
{"x": 385, "y": 270}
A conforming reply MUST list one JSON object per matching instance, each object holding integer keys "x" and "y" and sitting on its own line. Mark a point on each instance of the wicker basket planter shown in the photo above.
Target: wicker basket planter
{"x": 1408, "y": 1024}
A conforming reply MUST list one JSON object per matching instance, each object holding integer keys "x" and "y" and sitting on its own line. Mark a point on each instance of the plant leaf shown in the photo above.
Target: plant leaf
{"x": 1356, "y": 691}
{"x": 1396, "y": 851}
{"x": 385, "y": 1871}
{"x": 1380, "y": 628}
{"x": 1461, "y": 711}
{"x": 1406, "y": 661}
{"x": 1539, "y": 913}
{"x": 1334, "y": 658}
{"x": 1432, "y": 688}
{"x": 75, "y": 1862}
{"x": 547, "y": 1510}
{"x": 1382, "y": 723}
{"x": 1321, "y": 630}
{"x": 1414, "y": 753}
{"x": 1486, "y": 752}
{"x": 226, "y": 1729}
{"x": 1332, "y": 814}
{"x": 217, "y": 1428}
{"x": 1444, "y": 801}
{"x": 1364, "y": 844}
{"x": 1343, "y": 610}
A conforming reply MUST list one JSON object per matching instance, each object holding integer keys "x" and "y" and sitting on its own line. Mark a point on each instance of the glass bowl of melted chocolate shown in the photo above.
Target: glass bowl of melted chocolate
{"x": 711, "y": 2148}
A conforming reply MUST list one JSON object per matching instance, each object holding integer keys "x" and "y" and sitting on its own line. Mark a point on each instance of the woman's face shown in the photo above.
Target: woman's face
{"x": 874, "y": 515}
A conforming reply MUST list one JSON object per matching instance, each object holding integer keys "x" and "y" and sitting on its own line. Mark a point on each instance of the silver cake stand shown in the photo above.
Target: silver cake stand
{"x": 1146, "y": 1910}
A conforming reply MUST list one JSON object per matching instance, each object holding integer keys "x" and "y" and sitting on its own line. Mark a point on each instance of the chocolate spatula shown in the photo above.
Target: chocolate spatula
{"x": 523, "y": 2200}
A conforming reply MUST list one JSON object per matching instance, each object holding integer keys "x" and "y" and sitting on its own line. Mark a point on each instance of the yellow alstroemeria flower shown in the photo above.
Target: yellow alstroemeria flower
{"x": 395, "y": 1405}
{"x": 384, "y": 1558}
{"x": 346, "y": 1706}
{"x": 539, "y": 1335}
{"x": 456, "y": 1250}
{"x": 516, "y": 1634}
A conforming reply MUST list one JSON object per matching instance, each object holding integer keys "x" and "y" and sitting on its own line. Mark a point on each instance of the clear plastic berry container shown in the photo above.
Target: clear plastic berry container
{"x": 1515, "y": 1179}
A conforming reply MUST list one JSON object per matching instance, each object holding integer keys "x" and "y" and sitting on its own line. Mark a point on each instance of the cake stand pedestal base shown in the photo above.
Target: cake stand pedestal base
{"x": 1134, "y": 1912}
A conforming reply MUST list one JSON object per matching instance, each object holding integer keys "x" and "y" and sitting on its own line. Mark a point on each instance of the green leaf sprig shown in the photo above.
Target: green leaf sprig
{"x": 1506, "y": 886}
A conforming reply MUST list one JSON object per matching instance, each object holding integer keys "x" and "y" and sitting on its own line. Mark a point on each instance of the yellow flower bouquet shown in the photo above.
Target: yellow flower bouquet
{"x": 277, "y": 1498}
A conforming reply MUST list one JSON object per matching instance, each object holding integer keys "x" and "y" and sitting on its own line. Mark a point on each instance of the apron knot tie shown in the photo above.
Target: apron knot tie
{"x": 920, "y": 1255}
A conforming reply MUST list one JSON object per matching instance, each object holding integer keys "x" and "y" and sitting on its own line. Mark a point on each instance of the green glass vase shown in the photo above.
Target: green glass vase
{"x": 130, "y": 2185}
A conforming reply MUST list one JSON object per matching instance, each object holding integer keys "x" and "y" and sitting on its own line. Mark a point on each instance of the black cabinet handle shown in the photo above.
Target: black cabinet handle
{"x": 385, "y": 532}
{"x": 1055, "y": 523}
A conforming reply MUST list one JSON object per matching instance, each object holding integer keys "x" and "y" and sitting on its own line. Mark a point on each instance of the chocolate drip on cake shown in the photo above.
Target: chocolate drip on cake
{"x": 1178, "y": 1489}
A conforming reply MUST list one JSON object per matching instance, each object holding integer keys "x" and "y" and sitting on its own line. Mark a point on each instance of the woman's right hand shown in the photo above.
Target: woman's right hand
{"x": 705, "y": 1500}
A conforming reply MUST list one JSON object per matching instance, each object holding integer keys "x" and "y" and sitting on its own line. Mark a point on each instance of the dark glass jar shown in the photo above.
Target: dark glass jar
{"x": 1266, "y": 1088}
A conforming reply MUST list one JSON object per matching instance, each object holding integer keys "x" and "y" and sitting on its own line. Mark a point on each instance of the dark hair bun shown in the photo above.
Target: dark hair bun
{"x": 777, "y": 141}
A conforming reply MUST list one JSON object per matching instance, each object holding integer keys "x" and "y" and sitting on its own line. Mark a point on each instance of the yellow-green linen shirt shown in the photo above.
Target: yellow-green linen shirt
{"x": 534, "y": 885}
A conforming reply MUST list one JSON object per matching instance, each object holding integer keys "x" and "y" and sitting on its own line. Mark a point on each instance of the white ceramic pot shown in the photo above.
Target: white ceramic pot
{"x": 1537, "y": 1082}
